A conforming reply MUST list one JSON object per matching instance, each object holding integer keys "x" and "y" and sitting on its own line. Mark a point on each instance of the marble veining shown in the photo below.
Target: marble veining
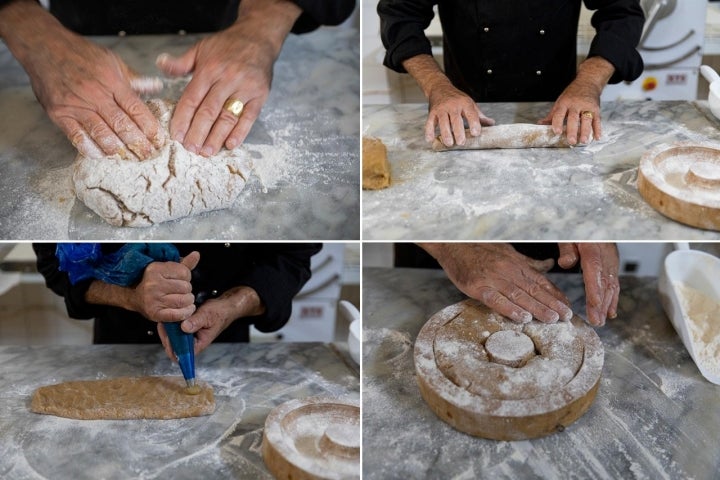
{"x": 583, "y": 193}
{"x": 654, "y": 416}
{"x": 305, "y": 146}
{"x": 249, "y": 380}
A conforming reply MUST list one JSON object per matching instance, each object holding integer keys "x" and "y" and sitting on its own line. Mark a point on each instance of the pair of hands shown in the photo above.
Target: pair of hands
{"x": 515, "y": 286}
{"x": 165, "y": 295}
{"x": 450, "y": 107}
{"x": 91, "y": 94}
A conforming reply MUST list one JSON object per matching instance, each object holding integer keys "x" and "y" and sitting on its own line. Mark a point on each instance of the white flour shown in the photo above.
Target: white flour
{"x": 702, "y": 314}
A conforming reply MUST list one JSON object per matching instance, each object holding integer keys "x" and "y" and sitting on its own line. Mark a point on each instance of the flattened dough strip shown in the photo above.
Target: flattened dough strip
{"x": 514, "y": 135}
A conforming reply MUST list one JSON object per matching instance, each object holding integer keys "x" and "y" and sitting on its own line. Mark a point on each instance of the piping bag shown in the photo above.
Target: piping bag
{"x": 183, "y": 345}
{"x": 83, "y": 261}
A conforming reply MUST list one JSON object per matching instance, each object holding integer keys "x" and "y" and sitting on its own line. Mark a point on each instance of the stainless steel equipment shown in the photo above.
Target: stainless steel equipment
{"x": 671, "y": 46}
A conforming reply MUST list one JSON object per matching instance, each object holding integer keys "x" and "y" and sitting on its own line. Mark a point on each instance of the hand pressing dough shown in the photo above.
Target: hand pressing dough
{"x": 123, "y": 398}
{"x": 517, "y": 135}
{"x": 175, "y": 184}
{"x": 376, "y": 169}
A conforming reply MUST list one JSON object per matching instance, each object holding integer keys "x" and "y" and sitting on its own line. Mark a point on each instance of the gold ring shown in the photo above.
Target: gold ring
{"x": 587, "y": 114}
{"x": 234, "y": 106}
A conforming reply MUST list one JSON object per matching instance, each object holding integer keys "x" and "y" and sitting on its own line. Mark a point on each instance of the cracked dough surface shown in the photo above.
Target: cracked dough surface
{"x": 123, "y": 398}
{"x": 175, "y": 184}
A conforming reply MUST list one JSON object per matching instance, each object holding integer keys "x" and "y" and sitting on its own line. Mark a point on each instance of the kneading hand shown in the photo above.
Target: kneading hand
{"x": 599, "y": 263}
{"x": 448, "y": 107}
{"x": 235, "y": 64}
{"x": 85, "y": 89}
{"x": 578, "y": 106}
{"x": 503, "y": 279}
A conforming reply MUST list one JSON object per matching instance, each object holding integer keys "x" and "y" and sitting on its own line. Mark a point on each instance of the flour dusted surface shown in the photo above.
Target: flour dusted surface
{"x": 175, "y": 184}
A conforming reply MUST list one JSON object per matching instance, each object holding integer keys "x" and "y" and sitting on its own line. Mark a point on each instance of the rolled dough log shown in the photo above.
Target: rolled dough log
{"x": 376, "y": 169}
{"x": 515, "y": 135}
{"x": 123, "y": 398}
{"x": 175, "y": 184}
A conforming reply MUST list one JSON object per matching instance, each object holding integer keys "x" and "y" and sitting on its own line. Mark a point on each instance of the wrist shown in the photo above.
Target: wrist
{"x": 427, "y": 73}
{"x": 271, "y": 20}
{"x": 595, "y": 73}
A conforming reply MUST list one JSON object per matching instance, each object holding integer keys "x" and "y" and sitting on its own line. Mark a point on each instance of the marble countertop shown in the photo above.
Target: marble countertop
{"x": 305, "y": 146}
{"x": 583, "y": 193}
{"x": 249, "y": 380}
{"x": 654, "y": 416}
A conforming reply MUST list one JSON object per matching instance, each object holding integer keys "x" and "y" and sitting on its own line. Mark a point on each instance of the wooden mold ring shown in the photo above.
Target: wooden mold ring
{"x": 313, "y": 438}
{"x": 682, "y": 181}
{"x": 517, "y": 416}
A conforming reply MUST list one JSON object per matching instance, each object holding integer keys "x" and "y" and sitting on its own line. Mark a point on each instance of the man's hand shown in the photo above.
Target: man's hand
{"x": 85, "y": 89}
{"x": 165, "y": 293}
{"x": 579, "y": 104}
{"x": 235, "y": 64}
{"x": 448, "y": 106}
{"x": 503, "y": 279}
{"x": 215, "y": 315}
{"x": 599, "y": 263}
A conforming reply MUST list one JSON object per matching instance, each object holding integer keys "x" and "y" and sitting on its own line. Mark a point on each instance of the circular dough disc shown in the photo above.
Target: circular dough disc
{"x": 506, "y": 391}
{"x": 682, "y": 182}
{"x": 313, "y": 438}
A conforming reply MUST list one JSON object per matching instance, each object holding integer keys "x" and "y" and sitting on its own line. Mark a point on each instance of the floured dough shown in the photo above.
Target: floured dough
{"x": 123, "y": 398}
{"x": 515, "y": 135}
{"x": 175, "y": 184}
{"x": 376, "y": 169}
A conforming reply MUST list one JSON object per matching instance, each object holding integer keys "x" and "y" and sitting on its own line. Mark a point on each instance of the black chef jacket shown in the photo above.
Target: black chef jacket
{"x": 109, "y": 17}
{"x": 276, "y": 272}
{"x": 513, "y": 51}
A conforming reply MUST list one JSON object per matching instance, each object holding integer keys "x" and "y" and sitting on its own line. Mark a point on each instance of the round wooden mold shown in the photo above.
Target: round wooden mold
{"x": 682, "y": 181}
{"x": 313, "y": 438}
{"x": 490, "y": 377}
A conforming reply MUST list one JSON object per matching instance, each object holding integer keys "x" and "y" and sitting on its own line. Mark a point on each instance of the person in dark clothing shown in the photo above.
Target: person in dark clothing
{"x": 217, "y": 291}
{"x": 90, "y": 93}
{"x": 498, "y": 51}
{"x": 509, "y": 278}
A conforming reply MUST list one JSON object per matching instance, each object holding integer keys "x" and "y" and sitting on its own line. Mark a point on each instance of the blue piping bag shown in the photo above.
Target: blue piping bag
{"x": 183, "y": 345}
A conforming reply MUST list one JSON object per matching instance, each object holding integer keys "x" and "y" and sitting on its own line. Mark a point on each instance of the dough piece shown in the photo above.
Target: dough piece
{"x": 123, "y": 398}
{"x": 517, "y": 135}
{"x": 175, "y": 184}
{"x": 376, "y": 169}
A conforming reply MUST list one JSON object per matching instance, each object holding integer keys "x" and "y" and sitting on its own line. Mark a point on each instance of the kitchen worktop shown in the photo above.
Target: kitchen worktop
{"x": 654, "y": 416}
{"x": 249, "y": 380}
{"x": 579, "y": 193}
{"x": 305, "y": 148}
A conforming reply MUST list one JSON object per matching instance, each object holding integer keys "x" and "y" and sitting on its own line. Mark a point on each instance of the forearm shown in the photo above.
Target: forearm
{"x": 273, "y": 19}
{"x": 23, "y": 26}
{"x": 239, "y": 302}
{"x": 426, "y": 72}
{"x": 594, "y": 73}
{"x": 101, "y": 293}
